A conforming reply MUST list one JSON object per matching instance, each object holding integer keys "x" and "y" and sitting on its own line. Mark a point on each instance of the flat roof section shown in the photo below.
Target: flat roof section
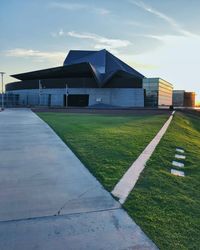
{"x": 158, "y": 79}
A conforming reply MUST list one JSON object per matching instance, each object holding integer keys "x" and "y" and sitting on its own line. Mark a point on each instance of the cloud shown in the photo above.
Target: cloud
{"x": 137, "y": 24}
{"x": 173, "y": 23}
{"x": 60, "y": 33}
{"x": 157, "y": 37}
{"x": 78, "y": 6}
{"x": 36, "y": 54}
{"x": 67, "y": 6}
{"x": 101, "y": 42}
{"x": 102, "y": 11}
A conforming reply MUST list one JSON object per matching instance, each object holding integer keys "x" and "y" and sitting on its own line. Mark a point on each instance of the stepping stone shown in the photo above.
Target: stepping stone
{"x": 177, "y": 173}
{"x": 180, "y": 156}
{"x": 180, "y": 150}
{"x": 177, "y": 164}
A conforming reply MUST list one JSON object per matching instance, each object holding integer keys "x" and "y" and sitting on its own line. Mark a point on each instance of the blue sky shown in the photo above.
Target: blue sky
{"x": 158, "y": 38}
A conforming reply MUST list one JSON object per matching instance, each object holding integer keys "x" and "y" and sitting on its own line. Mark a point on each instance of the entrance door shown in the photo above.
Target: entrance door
{"x": 76, "y": 100}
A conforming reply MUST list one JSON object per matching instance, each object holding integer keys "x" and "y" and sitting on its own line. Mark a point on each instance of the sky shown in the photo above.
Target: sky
{"x": 157, "y": 38}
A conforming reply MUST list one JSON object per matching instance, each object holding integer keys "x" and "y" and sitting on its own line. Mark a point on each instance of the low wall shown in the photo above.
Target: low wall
{"x": 122, "y": 97}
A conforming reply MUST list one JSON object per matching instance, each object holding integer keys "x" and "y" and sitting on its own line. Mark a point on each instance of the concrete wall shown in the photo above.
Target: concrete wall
{"x": 123, "y": 97}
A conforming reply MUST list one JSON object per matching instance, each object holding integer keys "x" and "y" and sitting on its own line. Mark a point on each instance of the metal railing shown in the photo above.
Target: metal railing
{"x": 32, "y": 100}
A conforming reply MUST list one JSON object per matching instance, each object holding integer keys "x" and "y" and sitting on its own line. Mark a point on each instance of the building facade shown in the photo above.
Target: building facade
{"x": 78, "y": 97}
{"x": 157, "y": 92}
{"x": 181, "y": 98}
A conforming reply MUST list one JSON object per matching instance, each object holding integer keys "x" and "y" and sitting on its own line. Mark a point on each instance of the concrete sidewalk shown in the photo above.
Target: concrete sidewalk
{"x": 49, "y": 200}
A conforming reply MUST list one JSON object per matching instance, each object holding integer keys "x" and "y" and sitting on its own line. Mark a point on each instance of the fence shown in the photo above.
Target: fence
{"x": 29, "y": 100}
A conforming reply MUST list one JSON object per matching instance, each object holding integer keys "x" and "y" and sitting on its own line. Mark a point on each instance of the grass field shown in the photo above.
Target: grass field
{"x": 168, "y": 207}
{"x": 107, "y": 145}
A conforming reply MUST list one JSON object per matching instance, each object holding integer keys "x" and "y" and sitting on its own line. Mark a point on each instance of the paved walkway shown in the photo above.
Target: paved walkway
{"x": 49, "y": 200}
{"x": 129, "y": 179}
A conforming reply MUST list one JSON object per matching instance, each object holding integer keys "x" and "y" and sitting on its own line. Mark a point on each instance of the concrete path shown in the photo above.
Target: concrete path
{"x": 129, "y": 179}
{"x": 49, "y": 200}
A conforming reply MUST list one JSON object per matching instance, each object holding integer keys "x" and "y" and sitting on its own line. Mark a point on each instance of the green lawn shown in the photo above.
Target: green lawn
{"x": 167, "y": 207}
{"x": 107, "y": 145}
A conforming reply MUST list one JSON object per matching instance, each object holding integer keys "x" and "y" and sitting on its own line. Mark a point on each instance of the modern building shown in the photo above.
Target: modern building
{"x": 87, "y": 78}
{"x": 178, "y": 98}
{"x": 157, "y": 92}
{"x": 181, "y": 98}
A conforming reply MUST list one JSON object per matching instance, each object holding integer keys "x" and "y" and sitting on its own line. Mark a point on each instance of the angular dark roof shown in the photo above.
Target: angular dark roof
{"x": 103, "y": 63}
{"x": 78, "y": 70}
